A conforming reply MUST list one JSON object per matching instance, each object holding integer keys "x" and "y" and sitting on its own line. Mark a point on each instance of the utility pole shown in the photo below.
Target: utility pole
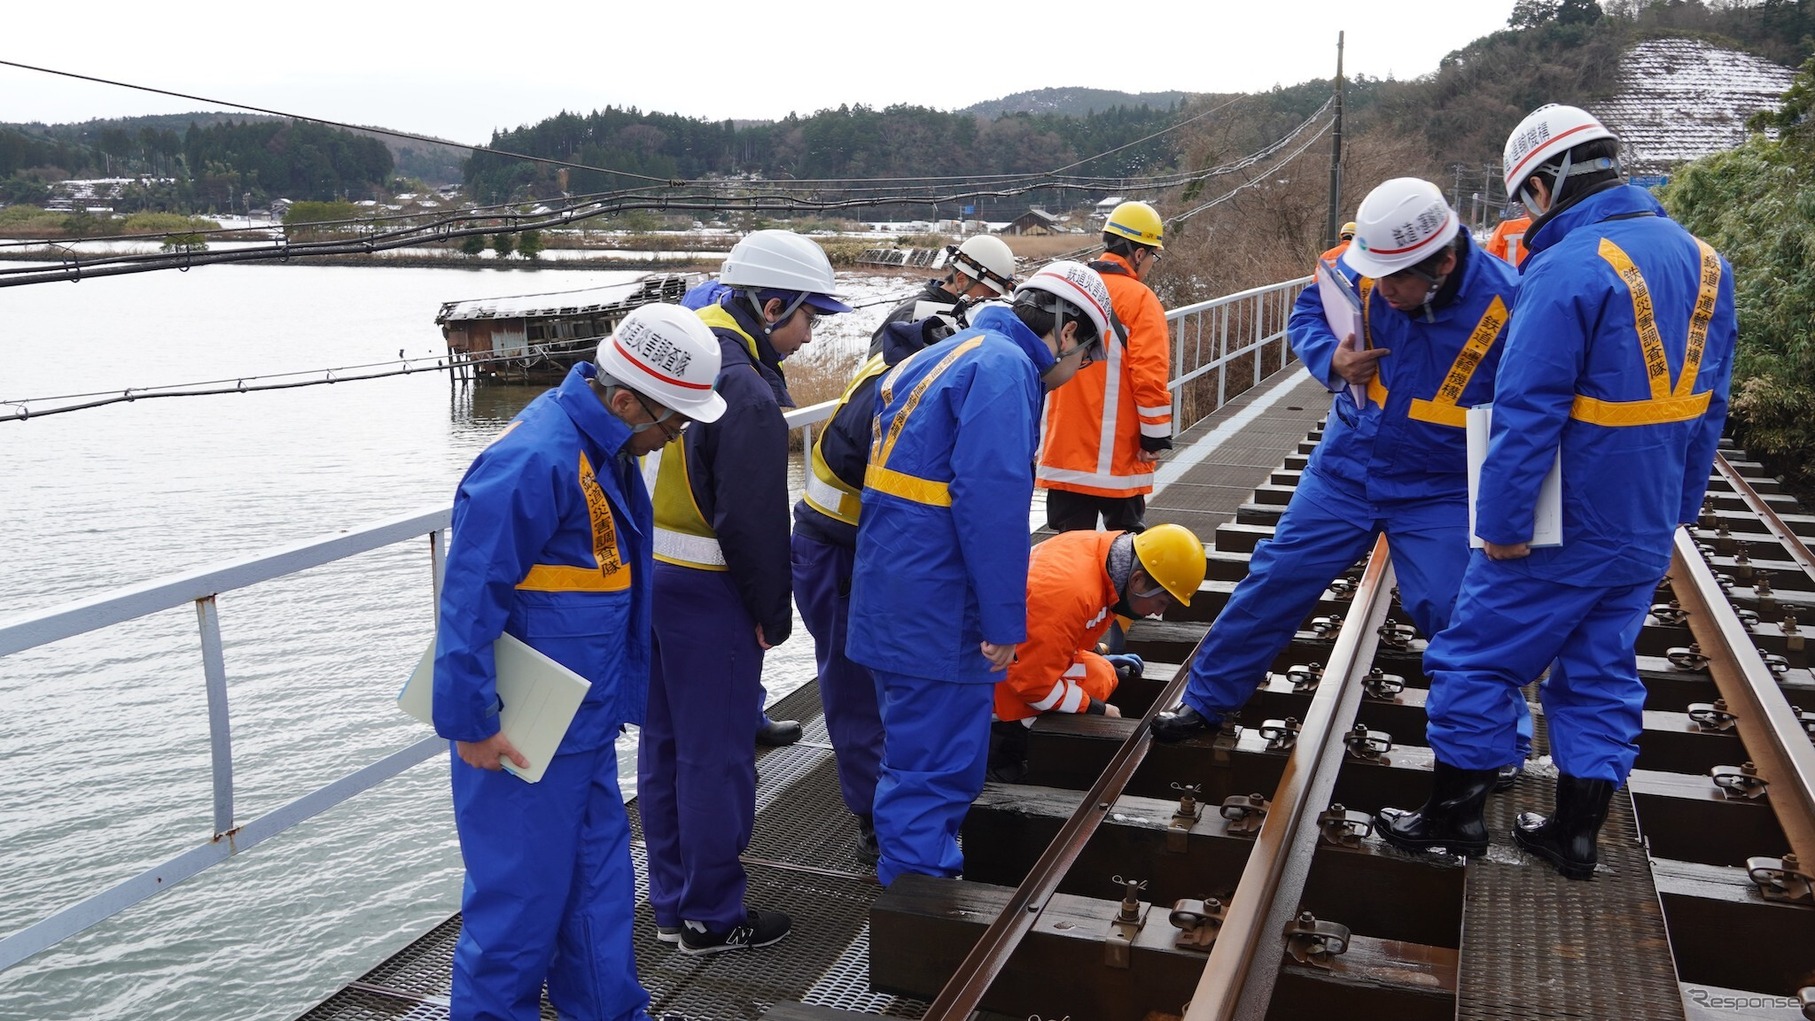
{"x": 1335, "y": 214}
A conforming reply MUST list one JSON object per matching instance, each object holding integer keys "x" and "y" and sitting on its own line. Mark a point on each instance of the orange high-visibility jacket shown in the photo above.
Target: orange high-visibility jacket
{"x": 1095, "y": 423}
{"x": 1334, "y": 253}
{"x": 1508, "y": 240}
{"x": 1069, "y": 596}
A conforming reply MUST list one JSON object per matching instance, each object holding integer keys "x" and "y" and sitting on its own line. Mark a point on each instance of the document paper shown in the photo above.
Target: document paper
{"x": 540, "y": 697}
{"x": 1547, "y": 523}
{"x": 1342, "y": 310}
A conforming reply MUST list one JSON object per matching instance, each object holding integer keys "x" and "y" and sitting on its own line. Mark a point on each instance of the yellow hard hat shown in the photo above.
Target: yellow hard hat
{"x": 1138, "y": 222}
{"x": 1174, "y": 557}
{"x": 1347, "y": 232}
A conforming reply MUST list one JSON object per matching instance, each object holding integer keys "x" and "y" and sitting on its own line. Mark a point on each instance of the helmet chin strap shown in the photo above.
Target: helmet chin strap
{"x": 756, "y": 305}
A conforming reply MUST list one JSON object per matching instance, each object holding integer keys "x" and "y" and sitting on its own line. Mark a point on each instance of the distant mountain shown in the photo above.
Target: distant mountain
{"x": 435, "y": 163}
{"x": 1073, "y": 102}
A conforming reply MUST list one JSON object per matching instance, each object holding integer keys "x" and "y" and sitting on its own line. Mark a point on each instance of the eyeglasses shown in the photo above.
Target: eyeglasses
{"x": 661, "y": 421}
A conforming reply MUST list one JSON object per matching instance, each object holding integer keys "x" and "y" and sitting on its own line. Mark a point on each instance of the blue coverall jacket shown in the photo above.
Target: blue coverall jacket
{"x": 1636, "y": 449}
{"x": 526, "y": 558}
{"x": 1408, "y": 442}
{"x": 941, "y": 546}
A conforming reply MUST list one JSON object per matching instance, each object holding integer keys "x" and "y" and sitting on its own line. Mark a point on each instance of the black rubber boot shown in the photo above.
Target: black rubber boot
{"x": 1451, "y": 819}
{"x": 1567, "y": 837}
{"x": 1182, "y": 723}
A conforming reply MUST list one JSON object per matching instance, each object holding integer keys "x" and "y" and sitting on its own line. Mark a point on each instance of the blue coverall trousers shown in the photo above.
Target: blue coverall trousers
{"x": 935, "y": 754}
{"x": 550, "y": 893}
{"x": 1508, "y": 627}
{"x": 847, "y": 690}
{"x": 696, "y": 762}
{"x": 1328, "y": 525}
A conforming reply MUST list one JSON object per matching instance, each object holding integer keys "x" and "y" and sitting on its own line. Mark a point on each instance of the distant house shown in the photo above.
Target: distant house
{"x": 1034, "y": 221}
{"x": 1107, "y": 206}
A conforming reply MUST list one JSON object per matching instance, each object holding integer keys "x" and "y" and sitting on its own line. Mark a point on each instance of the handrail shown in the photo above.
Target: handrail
{"x": 201, "y": 587}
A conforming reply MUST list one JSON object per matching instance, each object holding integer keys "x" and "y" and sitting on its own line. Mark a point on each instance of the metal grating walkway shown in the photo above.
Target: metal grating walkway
{"x": 1536, "y": 945}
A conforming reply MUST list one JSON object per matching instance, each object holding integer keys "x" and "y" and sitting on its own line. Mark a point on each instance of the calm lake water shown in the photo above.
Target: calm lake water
{"x": 106, "y": 770}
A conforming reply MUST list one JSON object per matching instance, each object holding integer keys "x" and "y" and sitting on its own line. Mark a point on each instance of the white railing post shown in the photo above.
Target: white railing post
{"x": 220, "y": 729}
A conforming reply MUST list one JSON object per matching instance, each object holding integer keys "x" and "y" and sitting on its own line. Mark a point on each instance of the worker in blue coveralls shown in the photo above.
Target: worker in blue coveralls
{"x": 1618, "y": 360}
{"x": 722, "y": 597}
{"x": 772, "y": 733}
{"x": 550, "y": 544}
{"x": 939, "y": 589}
{"x": 824, "y": 549}
{"x": 1433, "y": 311}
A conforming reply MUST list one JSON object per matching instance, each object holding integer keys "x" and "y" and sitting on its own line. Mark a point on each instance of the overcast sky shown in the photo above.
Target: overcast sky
{"x": 457, "y": 71}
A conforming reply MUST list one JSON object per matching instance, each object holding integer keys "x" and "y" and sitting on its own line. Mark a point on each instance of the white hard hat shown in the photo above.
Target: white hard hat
{"x": 987, "y": 259}
{"x": 782, "y": 260}
{"x": 1545, "y": 134}
{"x": 1079, "y": 286}
{"x": 665, "y": 353}
{"x": 1401, "y": 223}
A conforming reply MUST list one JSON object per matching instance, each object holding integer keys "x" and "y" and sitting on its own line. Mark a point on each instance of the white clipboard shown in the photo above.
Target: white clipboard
{"x": 1547, "y": 516}
{"x": 1342, "y": 310}
{"x": 539, "y": 696}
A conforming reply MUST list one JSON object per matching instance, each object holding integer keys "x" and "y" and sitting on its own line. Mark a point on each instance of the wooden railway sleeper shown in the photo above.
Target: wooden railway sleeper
{"x": 1130, "y": 918}
{"x": 1198, "y": 922}
{"x": 1781, "y": 879}
{"x": 1312, "y": 942}
{"x": 1740, "y": 782}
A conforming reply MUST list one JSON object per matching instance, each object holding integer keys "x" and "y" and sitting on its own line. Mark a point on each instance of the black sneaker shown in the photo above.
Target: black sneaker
{"x": 668, "y": 934}
{"x": 760, "y": 929}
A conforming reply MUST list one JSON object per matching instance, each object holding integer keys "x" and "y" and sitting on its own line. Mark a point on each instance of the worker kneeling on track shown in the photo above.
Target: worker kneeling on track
{"x": 942, "y": 542}
{"x": 1433, "y": 308}
{"x": 1077, "y": 584}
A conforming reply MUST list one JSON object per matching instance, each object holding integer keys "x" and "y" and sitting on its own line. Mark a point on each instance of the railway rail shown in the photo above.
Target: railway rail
{"x": 1236, "y": 875}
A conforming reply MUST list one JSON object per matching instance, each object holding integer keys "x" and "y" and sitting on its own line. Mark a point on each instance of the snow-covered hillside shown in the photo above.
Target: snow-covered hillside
{"x": 1680, "y": 99}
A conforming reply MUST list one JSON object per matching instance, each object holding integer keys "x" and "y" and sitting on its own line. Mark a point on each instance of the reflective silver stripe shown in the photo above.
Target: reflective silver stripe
{"x": 694, "y": 549}
{"x": 827, "y": 498}
{"x": 1129, "y": 483}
